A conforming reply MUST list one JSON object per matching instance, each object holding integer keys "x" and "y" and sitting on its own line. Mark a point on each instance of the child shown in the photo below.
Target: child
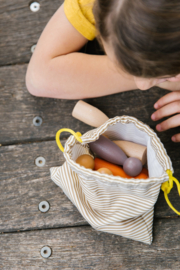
{"x": 141, "y": 39}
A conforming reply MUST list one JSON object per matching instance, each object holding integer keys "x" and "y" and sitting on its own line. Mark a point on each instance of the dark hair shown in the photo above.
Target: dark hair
{"x": 144, "y": 34}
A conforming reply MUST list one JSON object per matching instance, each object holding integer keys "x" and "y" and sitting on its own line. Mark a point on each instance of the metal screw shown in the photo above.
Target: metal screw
{"x": 40, "y": 161}
{"x": 45, "y": 252}
{"x": 44, "y": 206}
{"x": 37, "y": 121}
{"x": 33, "y": 48}
{"x": 34, "y": 7}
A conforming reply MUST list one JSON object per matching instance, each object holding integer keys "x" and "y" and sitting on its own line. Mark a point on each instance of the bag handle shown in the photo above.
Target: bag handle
{"x": 167, "y": 186}
{"x": 77, "y": 135}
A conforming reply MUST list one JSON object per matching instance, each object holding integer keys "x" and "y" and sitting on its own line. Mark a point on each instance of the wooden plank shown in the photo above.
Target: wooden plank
{"x": 85, "y": 248}
{"x": 23, "y": 30}
{"x": 20, "y": 28}
{"x": 23, "y": 186}
{"x": 18, "y": 108}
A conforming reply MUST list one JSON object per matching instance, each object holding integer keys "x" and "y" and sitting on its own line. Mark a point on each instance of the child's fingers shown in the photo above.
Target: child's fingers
{"x": 176, "y": 138}
{"x": 167, "y": 110}
{"x": 172, "y": 122}
{"x": 170, "y": 97}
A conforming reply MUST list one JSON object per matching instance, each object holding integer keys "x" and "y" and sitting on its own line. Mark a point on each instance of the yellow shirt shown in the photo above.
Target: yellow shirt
{"x": 79, "y": 14}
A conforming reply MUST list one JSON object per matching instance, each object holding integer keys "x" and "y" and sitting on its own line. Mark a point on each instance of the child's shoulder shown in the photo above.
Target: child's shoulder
{"x": 80, "y": 15}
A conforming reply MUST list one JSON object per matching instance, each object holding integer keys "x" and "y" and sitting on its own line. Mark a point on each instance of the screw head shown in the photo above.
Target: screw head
{"x": 45, "y": 252}
{"x": 34, "y": 6}
{"x": 40, "y": 161}
{"x": 37, "y": 121}
{"x": 44, "y": 206}
{"x": 33, "y": 48}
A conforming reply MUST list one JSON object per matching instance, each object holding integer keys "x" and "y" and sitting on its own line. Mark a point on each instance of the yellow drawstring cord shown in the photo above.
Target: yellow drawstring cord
{"x": 167, "y": 186}
{"x": 77, "y": 135}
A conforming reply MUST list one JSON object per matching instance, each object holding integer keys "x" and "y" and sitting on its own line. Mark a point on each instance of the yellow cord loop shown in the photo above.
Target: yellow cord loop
{"x": 167, "y": 186}
{"x": 77, "y": 135}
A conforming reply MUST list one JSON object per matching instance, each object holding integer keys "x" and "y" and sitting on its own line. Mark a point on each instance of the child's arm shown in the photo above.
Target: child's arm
{"x": 57, "y": 70}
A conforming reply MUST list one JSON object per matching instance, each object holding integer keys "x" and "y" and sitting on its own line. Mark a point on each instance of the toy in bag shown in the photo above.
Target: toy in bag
{"x": 115, "y": 204}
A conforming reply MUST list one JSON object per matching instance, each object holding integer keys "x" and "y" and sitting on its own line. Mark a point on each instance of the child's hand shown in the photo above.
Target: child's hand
{"x": 166, "y": 106}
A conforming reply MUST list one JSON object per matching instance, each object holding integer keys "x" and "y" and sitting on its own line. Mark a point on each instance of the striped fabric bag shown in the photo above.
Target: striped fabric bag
{"x": 111, "y": 203}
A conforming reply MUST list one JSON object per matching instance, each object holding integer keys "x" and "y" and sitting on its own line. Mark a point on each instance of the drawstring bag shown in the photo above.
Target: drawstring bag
{"x": 111, "y": 203}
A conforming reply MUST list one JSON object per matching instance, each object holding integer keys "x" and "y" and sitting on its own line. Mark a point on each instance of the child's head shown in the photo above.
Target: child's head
{"x": 142, "y": 37}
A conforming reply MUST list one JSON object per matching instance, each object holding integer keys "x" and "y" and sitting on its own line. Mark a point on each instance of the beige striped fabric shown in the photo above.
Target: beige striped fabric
{"x": 111, "y": 203}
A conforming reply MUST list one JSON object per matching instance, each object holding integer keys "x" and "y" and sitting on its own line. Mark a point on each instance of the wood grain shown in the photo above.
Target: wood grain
{"x": 20, "y": 28}
{"x": 85, "y": 248}
{"x": 18, "y": 108}
{"x": 23, "y": 186}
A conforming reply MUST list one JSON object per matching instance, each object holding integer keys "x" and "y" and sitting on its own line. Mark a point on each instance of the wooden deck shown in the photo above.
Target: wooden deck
{"x": 24, "y": 230}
